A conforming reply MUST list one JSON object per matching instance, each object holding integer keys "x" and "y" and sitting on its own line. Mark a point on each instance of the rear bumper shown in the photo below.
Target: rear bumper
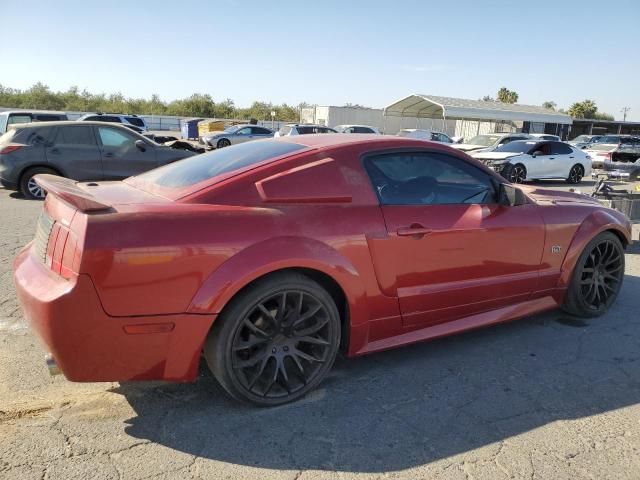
{"x": 88, "y": 345}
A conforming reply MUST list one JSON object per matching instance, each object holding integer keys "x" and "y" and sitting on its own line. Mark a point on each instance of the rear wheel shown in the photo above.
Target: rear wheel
{"x": 575, "y": 174}
{"x": 597, "y": 277}
{"x": 515, "y": 173}
{"x": 29, "y": 188}
{"x": 223, "y": 142}
{"x": 275, "y": 341}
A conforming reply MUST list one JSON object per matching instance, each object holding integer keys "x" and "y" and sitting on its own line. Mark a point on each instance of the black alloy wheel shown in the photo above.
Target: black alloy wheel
{"x": 575, "y": 174}
{"x": 277, "y": 342}
{"x": 598, "y": 277}
{"x": 515, "y": 173}
{"x": 223, "y": 142}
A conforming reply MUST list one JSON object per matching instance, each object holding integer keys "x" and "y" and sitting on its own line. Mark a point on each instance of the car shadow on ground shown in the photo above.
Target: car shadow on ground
{"x": 414, "y": 405}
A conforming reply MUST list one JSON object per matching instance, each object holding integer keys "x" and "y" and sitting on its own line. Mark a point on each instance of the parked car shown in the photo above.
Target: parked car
{"x": 9, "y": 118}
{"x": 622, "y": 154}
{"x": 618, "y": 140}
{"x": 236, "y": 134}
{"x": 81, "y": 151}
{"x": 305, "y": 129}
{"x": 428, "y": 135}
{"x": 545, "y": 136}
{"x": 356, "y": 129}
{"x": 524, "y": 160}
{"x": 267, "y": 258}
{"x": 132, "y": 122}
{"x": 582, "y": 141}
{"x": 490, "y": 141}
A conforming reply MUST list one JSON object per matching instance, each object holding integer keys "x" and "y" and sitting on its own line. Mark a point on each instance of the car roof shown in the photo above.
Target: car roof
{"x": 69, "y": 123}
{"x": 327, "y": 140}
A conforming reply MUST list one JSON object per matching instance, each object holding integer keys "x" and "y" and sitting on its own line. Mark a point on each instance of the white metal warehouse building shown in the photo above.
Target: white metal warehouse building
{"x": 453, "y": 116}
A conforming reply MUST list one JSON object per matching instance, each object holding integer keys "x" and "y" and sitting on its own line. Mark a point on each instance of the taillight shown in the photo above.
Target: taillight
{"x": 10, "y": 148}
{"x": 62, "y": 251}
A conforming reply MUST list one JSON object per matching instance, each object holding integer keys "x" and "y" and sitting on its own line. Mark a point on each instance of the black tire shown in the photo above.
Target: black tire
{"x": 28, "y": 188}
{"x": 223, "y": 142}
{"x": 514, "y": 173}
{"x": 268, "y": 355}
{"x": 597, "y": 277}
{"x": 575, "y": 174}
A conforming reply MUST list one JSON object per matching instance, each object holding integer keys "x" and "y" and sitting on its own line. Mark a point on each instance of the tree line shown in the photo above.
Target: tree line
{"x": 585, "y": 109}
{"x": 41, "y": 97}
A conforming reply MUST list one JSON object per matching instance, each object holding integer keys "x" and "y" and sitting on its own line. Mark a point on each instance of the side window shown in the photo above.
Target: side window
{"x": 110, "y": 137}
{"x": 76, "y": 135}
{"x": 14, "y": 119}
{"x": 362, "y": 130}
{"x": 33, "y": 136}
{"x": 244, "y": 131}
{"x": 428, "y": 179}
{"x": 559, "y": 148}
{"x": 43, "y": 117}
{"x": 260, "y": 131}
{"x": 305, "y": 130}
{"x": 542, "y": 150}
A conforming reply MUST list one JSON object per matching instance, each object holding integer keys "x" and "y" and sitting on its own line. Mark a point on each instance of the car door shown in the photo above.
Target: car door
{"x": 75, "y": 152}
{"x": 259, "y": 132}
{"x": 242, "y": 135}
{"x": 451, "y": 250}
{"x": 561, "y": 159}
{"x": 538, "y": 163}
{"x": 121, "y": 157}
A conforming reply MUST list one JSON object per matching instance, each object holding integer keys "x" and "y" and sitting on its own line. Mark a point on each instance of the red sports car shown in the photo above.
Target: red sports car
{"x": 269, "y": 257}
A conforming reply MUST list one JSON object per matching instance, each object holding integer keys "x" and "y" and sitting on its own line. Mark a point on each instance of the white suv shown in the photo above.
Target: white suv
{"x": 296, "y": 129}
{"x": 132, "y": 122}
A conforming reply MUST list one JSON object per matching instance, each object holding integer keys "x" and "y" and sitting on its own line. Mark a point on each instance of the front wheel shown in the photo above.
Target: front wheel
{"x": 223, "y": 142}
{"x": 515, "y": 173}
{"x": 597, "y": 277}
{"x": 575, "y": 174}
{"x": 275, "y": 341}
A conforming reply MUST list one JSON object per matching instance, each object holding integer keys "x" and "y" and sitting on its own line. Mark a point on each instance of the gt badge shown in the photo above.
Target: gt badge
{"x": 556, "y": 248}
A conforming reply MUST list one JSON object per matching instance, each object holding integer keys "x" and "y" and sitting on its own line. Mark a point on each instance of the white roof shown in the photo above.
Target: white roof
{"x": 431, "y": 106}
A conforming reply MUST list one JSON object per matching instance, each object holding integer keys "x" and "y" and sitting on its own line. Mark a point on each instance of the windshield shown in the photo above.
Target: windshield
{"x": 602, "y": 148}
{"x": 202, "y": 167}
{"x": 581, "y": 138}
{"x": 484, "y": 140}
{"x": 609, "y": 139}
{"x": 516, "y": 147}
{"x": 230, "y": 129}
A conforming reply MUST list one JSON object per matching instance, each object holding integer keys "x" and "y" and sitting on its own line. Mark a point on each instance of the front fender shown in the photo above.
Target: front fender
{"x": 597, "y": 222}
{"x": 277, "y": 254}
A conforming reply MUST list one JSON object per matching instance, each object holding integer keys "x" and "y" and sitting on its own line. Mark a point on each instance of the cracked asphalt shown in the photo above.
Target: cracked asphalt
{"x": 546, "y": 397}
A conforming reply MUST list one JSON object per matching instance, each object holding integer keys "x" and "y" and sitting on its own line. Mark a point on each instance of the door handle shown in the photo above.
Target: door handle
{"x": 570, "y": 156}
{"x": 414, "y": 230}
{"x": 108, "y": 155}
{"x": 54, "y": 150}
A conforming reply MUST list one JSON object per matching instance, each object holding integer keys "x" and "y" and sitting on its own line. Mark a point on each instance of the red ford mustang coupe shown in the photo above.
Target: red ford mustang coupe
{"x": 269, "y": 257}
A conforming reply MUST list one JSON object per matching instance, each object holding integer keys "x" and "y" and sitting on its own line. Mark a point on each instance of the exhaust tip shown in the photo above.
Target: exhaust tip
{"x": 52, "y": 366}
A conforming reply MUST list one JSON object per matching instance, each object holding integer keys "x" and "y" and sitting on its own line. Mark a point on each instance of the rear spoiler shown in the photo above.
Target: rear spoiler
{"x": 69, "y": 191}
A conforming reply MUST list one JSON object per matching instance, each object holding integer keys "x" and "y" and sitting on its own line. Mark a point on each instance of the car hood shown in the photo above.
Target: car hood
{"x": 494, "y": 155}
{"x": 556, "y": 197}
{"x": 467, "y": 147}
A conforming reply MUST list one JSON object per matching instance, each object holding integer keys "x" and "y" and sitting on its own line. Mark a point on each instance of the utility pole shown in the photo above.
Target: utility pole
{"x": 624, "y": 113}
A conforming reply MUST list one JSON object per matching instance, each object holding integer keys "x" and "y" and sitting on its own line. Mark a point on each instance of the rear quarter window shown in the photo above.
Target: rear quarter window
{"x": 199, "y": 168}
{"x": 138, "y": 122}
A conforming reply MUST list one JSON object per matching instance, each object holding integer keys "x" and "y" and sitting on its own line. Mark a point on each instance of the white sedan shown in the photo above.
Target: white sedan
{"x": 537, "y": 160}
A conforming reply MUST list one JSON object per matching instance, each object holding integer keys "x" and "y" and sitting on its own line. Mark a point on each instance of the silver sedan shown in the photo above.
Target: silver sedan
{"x": 236, "y": 134}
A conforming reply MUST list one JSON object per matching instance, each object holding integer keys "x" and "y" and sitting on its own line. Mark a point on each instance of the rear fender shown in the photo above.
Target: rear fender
{"x": 597, "y": 222}
{"x": 277, "y": 254}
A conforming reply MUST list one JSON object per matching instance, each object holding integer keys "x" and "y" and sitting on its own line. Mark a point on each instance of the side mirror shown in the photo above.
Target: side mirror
{"x": 510, "y": 196}
{"x": 141, "y": 145}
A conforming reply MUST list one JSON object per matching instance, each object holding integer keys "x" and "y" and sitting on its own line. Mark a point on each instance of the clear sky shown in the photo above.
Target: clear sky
{"x": 328, "y": 52}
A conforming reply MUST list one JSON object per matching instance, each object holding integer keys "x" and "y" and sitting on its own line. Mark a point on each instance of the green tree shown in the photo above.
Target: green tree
{"x": 507, "y": 96}
{"x": 549, "y": 105}
{"x": 585, "y": 109}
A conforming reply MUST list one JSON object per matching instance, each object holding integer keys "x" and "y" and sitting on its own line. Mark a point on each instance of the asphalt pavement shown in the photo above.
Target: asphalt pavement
{"x": 545, "y": 397}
